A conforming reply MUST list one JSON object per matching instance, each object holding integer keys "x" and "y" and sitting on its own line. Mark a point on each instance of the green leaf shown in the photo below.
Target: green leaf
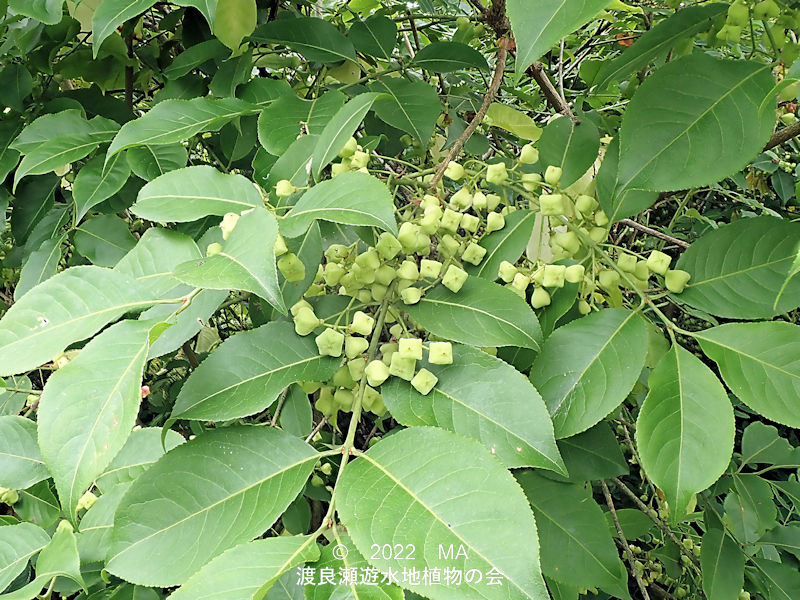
{"x": 194, "y": 192}
{"x": 41, "y": 265}
{"x": 685, "y": 428}
{"x": 351, "y": 198}
{"x": 750, "y": 511}
{"x": 576, "y": 544}
{"x": 12, "y": 400}
{"x": 444, "y": 57}
{"x": 562, "y": 300}
{"x": 241, "y": 264}
{"x": 66, "y": 308}
{"x": 97, "y": 181}
{"x": 149, "y": 162}
{"x": 374, "y": 36}
{"x": 235, "y": 482}
{"x": 173, "y": 121}
{"x": 607, "y": 351}
{"x": 89, "y": 406}
{"x": 314, "y": 38}
{"x": 18, "y": 543}
{"x": 658, "y": 41}
{"x": 104, "y": 240}
{"x": 738, "y": 269}
{"x": 195, "y": 56}
{"x": 16, "y": 84}
{"x": 782, "y": 580}
{"x": 536, "y": 31}
{"x": 294, "y": 165}
{"x": 94, "y": 538}
{"x": 110, "y": 14}
{"x": 248, "y": 371}
{"x": 33, "y": 203}
{"x": 713, "y": 118}
{"x": 593, "y": 454}
{"x": 248, "y": 570}
{"x": 308, "y": 249}
{"x": 616, "y": 202}
{"x": 339, "y": 130}
{"x": 288, "y": 117}
{"x": 482, "y": 313}
{"x": 458, "y": 497}
{"x": 39, "y": 505}
{"x": 50, "y": 126}
{"x": 296, "y": 415}
{"x": 570, "y": 145}
{"x": 512, "y": 120}
{"x": 21, "y": 463}
{"x": 634, "y": 523}
{"x": 8, "y": 157}
{"x": 207, "y": 7}
{"x": 46, "y": 11}
{"x": 514, "y": 426}
{"x": 507, "y": 244}
{"x": 759, "y": 363}
{"x": 142, "y": 448}
{"x": 761, "y": 444}
{"x": 235, "y": 20}
{"x": 784, "y": 537}
{"x": 412, "y": 106}
{"x": 722, "y": 566}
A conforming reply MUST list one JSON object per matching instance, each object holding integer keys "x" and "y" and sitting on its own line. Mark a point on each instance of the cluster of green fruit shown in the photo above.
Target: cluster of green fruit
{"x": 8, "y": 496}
{"x": 740, "y": 12}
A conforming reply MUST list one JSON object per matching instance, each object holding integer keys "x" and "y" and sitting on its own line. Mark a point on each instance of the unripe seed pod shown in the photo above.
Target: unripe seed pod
{"x": 377, "y": 372}
{"x": 385, "y": 275}
{"x": 228, "y": 223}
{"x": 494, "y": 222}
{"x": 402, "y": 367}
{"x": 470, "y": 223}
{"x": 408, "y": 270}
{"x": 627, "y": 263}
{"x": 462, "y": 199}
{"x": 342, "y": 378}
{"x": 658, "y": 262}
{"x": 540, "y": 298}
{"x": 454, "y": 278}
{"x": 305, "y": 321}
{"x": 410, "y": 348}
{"x": 585, "y": 204}
{"x": 362, "y": 323}
{"x": 280, "y": 248}
{"x": 284, "y": 188}
{"x": 213, "y": 249}
{"x": 479, "y": 201}
{"x": 676, "y": 280}
{"x": 738, "y": 14}
{"x": 454, "y": 171}
{"x": 362, "y": 275}
{"x": 507, "y": 271}
{"x": 496, "y": 173}
{"x": 554, "y": 276}
{"x": 574, "y": 273}
{"x": 528, "y": 155}
{"x": 369, "y": 259}
{"x": 349, "y": 148}
{"x": 353, "y": 346}
{"x": 388, "y": 246}
{"x": 552, "y": 205}
{"x": 359, "y": 160}
{"x": 600, "y": 218}
{"x": 531, "y": 181}
{"x": 521, "y": 282}
{"x": 450, "y": 220}
{"x": 584, "y": 308}
{"x": 356, "y": 367}
{"x": 608, "y": 279}
{"x": 338, "y": 252}
{"x": 552, "y": 175}
{"x": 424, "y": 381}
{"x": 330, "y": 343}
{"x": 569, "y": 241}
{"x": 333, "y": 273}
{"x": 642, "y": 271}
{"x": 292, "y": 267}
{"x": 598, "y": 234}
{"x": 408, "y": 236}
{"x": 440, "y": 353}
{"x": 429, "y": 201}
{"x": 411, "y": 295}
{"x": 473, "y": 253}
{"x": 429, "y": 269}
{"x": 492, "y": 201}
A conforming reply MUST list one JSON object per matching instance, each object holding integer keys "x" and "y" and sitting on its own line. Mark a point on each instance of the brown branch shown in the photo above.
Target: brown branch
{"x": 554, "y": 99}
{"x": 654, "y": 233}
{"x": 497, "y": 79}
{"x": 628, "y": 551}
{"x": 784, "y": 135}
{"x": 129, "y": 72}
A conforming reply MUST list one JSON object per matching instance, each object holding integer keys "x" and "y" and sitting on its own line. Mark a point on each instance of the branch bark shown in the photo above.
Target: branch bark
{"x": 654, "y": 233}
{"x": 554, "y": 99}
{"x": 783, "y": 135}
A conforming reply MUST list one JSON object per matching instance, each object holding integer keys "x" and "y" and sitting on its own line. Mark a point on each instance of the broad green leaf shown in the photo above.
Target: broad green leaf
{"x": 286, "y": 588}
{"x": 94, "y": 538}
{"x": 235, "y": 482}
{"x": 749, "y": 509}
{"x": 195, "y": 56}
{"x": 714, "y": 116}
{"x": 412, "y": 106}
{"x": 32, "y": 204}
{"x": 536, "y": 31}
{"x": 248, "y": 371}
{"x": 444, "y": 57}
{"x": 46, "y": 11}
{"x": 98, "y": 181}
{"x": 13, "y": 394}
{"x": 194, "y": 192}
{"x": 18, "y": 543}
{"x": 8, "y": 156}
{"x": 374, "y": 36}
{"x": 66, "y": 308}
{"x": 577, "y": 547}
{"x": 142, "y": 448}
{"x": 288, "y": 117}
{"x": 42, "y": 264}
{"x": 16, "y": 84}
{"x": 512, "y": 120}
{"x": 761, "y": 444}
{"x": 241, "y": 264}
{"x": 351, "y": 198}
{"x": 562, "y": 300}
{"x": 658, "y": 41}
{"x": 38, "y": 505}
{"x": 459, "y": 496}
{"x": 149, "y": 162}
{"x": 513, "y": 425}
{"x": 104, "y": 240}
{"x": 482, "y": 313}
{"x": 782, "y": 580}
{"x": 207, "y": 7}
{"x": 89, "y": 406}
{"x": 314, "y": 38}
{"x": 21, "y": 463}
{"x": 508, "y": 244}
{"x": 616, "y": 202}
{"x": 722, "y": 566}
{"x": 247, "y": 570}
{"x": 234, "y": 20}
{"x": 606, "y": 351}
{"x": 760, "y": 362}
{"x": 173, "y": 121}
{"x": 154, "y": 258}
{"x": 634, "y": 523}
{"x": 294, "y": 165}
{"x": 296, "y": 415}
{"x": 593, "y": 454}
{"x": 784, "y": 537}
{"x": 110, "y": 15}
{"x": 50, "y": 126}
{"x": 339, "y": 130}
{"x": 570, "y": 145}
{"x": 685, "y": 428}
{"x": 59, "y": 151}
{"x": 738, "y": 270}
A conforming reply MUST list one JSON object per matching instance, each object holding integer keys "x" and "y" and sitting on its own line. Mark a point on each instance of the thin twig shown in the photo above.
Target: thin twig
{"x": 319, "y": 426}
{"x": 654, "y": 233}
{"x": 628, "y": 551}
{"x": 281, "y": 400}
{"x": 784, "y": 135}
{"x": 497, "y": 79}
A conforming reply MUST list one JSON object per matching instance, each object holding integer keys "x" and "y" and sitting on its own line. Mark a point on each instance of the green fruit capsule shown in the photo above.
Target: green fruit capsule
{"x": 479, "y": 201}
{"x": 333, "y": 273}
{"x": 349, "y": 148}
{"x": 552, "y": 175}
{"x": 362, "y": 323}
{"x": 767, "y": 9}
{"x": 496, "y": 173}
{"x": 554, "y": 276}
{"x": 305, "y": 321}
{"x": 424, "y": 381}
{"x": 359, "y": 160}
{"x": 473, "y": 253}
{"x": 213, "y": 249}
{"x": 569, "y": 241}
{"x": 574, "y": 273}
{"x": 342, "y": 378}
{"x": 228, "y": 223}
{"x": 540, "y": 298}
{"x": 520, "y": 283}
{"x": 495, "y": 222}
{"x": 284, "y": 188}
{"x": 738, "y": 14}
{"x": 388, "y": 246}
{"x": 528, "y": 155}
{"x": 292, "y": 267}
{"x": 408, "y": 270}
{"x": 450, "y": 220}
{"x": 411, "y": 295}
{"x": 552, "y": 205}
{"x": 408, "y": 236}
{"x": 330, "y": 343}
{"x": 462, "y": 199}
{"x": 356, "y": 367}
{"x": 642, "y": 271}
{"x": 338, "y": 252}
{"x": 448, "y": 245}
{"x": 369, "y": 259}
{"x": 402, "y": 367}
{"x": 470, "y": 223}
{"x": 627, "y": 263}
{"x": 658, "y": 262}
{"x": 585, "y": 204}
{"x": 584, "y": 308}
{"x": 454, "y": 171}
{"x": 410, "y": 348}
{"x": 353, "y": 346}
{"x": 429, "y": 269}
{"x": 454, "y": 278}
{"x": 507, "y": 271}
{"x": 492, "y": 201}
{"x": 608, "y": 279}
{"x": 377, "y": 372}
{"x": 440, "y": 353}
{"x": 280, "y": 246}
{"x": 676, "y": 280}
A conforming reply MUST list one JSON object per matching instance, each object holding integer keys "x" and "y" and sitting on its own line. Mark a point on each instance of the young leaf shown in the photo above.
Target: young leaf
{"x": 248, "y": 371}
{"x": 513, "y": 424}
{"x": 738, "y": 270}
{"x": 66, "y": 308}
{"x": 248, "y": 570}
{"x": 233, "y": 21}
{"x": 314, "y": 38}
{"x": 97, "y": 181}
{"x": 444, "y": 57}
{"x": 512, "y": 120}
{"x": 21, "y": 463}
{"x": 570, "y": 145}
{"x": 685, "y": 428}
{"x": 234, "y": 481}
{"x": 607, "y": 351}
{"x": 506, "y": 244}
{"x": 761, "y": 444}
{"x": 722, "y": 565}
{"x": 576, "y": 544}
{"x": 89, "y": 406}
{"x": 374, "y": 36}
{"x": 412, "y": 106}
{"x": 458, "y": 498}
{"x": 351, "y": 198}
{"x": 713, "y": 118}
{"x": 482, "y": 313}
{"x": 18, "y": 543}
{"x": 110, "y": 14}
